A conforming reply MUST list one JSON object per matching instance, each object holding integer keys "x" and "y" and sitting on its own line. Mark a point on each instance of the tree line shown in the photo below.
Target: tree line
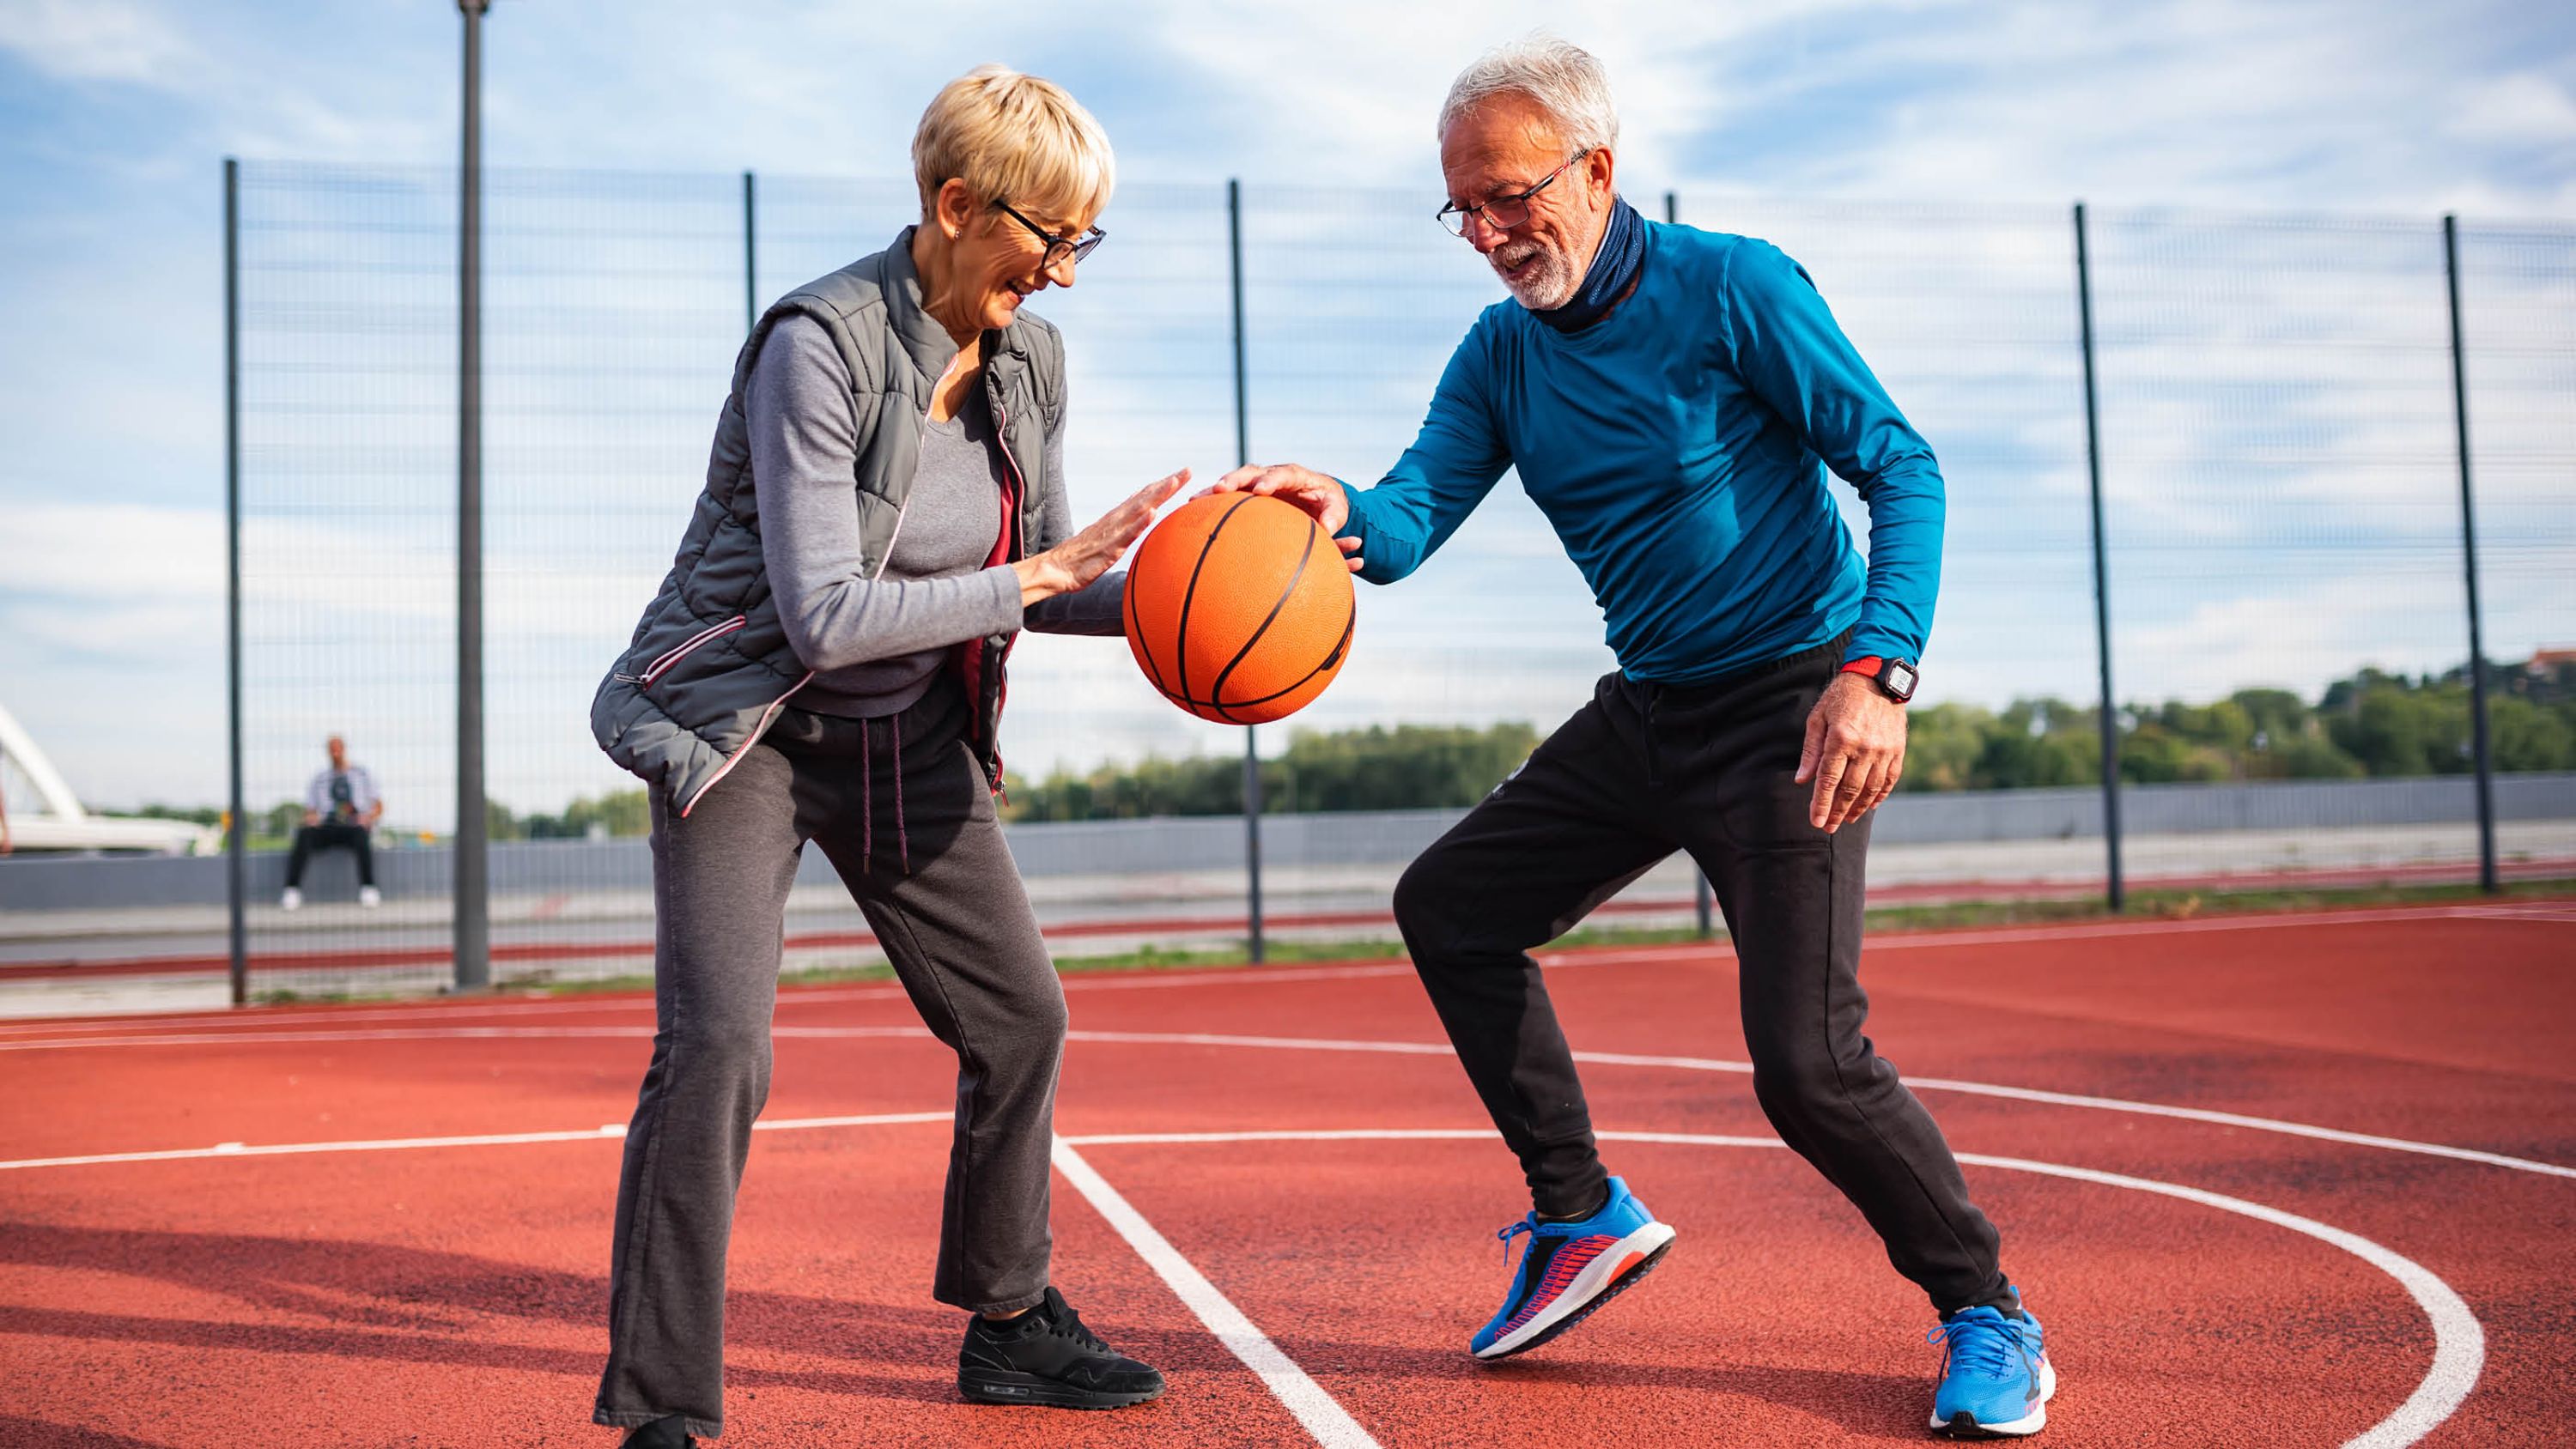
{"x": 2373, "y": 724}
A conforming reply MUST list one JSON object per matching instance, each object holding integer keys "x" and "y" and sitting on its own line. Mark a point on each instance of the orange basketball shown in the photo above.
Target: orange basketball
{"x": 1239, "y": 608}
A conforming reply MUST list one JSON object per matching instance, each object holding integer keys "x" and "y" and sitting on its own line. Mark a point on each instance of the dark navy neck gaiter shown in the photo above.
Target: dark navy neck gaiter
{"x": 1614, "y": 269}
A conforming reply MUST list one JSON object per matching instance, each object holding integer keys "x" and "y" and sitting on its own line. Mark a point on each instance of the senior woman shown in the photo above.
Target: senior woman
{"x": 884, "y": 510}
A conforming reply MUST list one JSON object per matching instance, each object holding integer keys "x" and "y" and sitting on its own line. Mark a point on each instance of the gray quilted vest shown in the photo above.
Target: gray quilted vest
{"x": 709, "y": 666}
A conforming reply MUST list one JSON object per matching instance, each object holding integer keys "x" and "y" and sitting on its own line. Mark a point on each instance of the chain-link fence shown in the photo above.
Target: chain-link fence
{"x": 2281, "y": 485}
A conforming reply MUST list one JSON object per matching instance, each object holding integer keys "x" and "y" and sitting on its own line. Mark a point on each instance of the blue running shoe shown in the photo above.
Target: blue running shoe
{"x": 1571, "y": 1268}
{"x": 1995, "y": 1378}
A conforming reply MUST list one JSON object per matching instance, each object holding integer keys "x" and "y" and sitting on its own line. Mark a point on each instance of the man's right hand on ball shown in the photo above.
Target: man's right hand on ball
{"x": 1319, "y": 494}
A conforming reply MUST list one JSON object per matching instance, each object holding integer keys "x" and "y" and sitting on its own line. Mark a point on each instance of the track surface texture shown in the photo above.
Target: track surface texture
{"x": 2281, "y": 1180}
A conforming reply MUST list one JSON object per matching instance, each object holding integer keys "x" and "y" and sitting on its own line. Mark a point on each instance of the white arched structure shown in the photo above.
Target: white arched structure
{"x": 55, "y": 820}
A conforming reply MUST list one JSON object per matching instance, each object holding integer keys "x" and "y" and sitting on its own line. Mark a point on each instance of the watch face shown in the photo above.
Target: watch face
{"x": 1899, "y": 678}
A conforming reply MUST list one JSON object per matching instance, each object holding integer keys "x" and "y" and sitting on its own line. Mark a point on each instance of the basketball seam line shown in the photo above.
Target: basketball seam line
{"x": 1189, "y": 596}
{"x": 1217, "y": 689}
{"x": 1349, "y": 624}
{"x": 1136, "y": 632}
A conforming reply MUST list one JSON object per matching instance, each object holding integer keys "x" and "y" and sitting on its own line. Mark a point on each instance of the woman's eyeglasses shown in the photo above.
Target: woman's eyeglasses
{"x": 1058, "y": 248}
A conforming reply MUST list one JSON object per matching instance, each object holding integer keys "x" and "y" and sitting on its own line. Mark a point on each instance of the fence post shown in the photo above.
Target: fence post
{"x": 472, "y": 885}
{"x": 1703, "y": 897}
{"x": 2469, "y": 553}
{"x": 2118, "y": 892}
{"x": 1243, "y": 455}
{"x": 750, "y": 258}
{"x": 236, "y": 842}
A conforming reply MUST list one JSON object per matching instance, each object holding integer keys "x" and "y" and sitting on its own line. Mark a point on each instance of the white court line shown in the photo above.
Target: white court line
{"x": 1254, "y": 976}
{"x": 488, "y": 1139}
{"x": 2081, "y": 931}
{"x": 142, "y": 1027}
{"x": 2459, "y": 1343}
{"x": 426, "y": 1033}
{"x": 2278, "y": 1125}
{"x": 1937, "y": 1084}
{"x": 1324, "y": 1417}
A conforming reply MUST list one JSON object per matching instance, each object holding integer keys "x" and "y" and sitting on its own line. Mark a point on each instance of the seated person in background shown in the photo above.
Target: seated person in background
{"x": 341, "y": 807}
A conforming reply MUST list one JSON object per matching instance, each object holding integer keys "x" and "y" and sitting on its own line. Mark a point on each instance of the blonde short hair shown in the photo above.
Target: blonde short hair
{"x": 1014, "y": 137}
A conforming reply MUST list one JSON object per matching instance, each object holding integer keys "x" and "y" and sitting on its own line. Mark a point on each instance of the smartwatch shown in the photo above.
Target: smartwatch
{"x": 1895, "y": 678}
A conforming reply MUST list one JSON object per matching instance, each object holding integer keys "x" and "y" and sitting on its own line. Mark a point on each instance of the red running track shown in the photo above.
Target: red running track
{"x": 2225, "y": 1278}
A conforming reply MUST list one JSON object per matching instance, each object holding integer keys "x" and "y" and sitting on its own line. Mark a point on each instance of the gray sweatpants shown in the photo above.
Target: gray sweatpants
{"x": 965, "y": 944}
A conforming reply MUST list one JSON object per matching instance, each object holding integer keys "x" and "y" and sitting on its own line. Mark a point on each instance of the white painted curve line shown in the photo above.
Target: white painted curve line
{"x": 2119, "y": 1104}
{"x": 489, "y": 1139}
{"x": 2459, "y": 1344}
{"x": 1322, "y": 1415}
{"x": 2084, "y": 931}
{"x": 1934, "y": 1084}
{"x": 2277, "y": 1125}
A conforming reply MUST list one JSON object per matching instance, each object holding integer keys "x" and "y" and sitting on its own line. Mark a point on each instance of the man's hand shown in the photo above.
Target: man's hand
{"x": 312, "y": 817}
{"x": 1071, "y": 566}
{"x": 1317, "y": 493}
{"x": 1855, "y": 751}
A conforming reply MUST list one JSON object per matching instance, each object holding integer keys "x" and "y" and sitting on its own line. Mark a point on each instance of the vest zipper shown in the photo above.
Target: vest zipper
{"x": 702, "y": 638}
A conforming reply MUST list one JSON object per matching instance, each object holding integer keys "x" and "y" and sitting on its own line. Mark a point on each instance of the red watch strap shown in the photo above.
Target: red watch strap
{"x": 1868, "y": 664}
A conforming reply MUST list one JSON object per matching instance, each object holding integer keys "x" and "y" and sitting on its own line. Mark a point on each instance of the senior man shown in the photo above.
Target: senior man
{"x": 1667, "y": 395}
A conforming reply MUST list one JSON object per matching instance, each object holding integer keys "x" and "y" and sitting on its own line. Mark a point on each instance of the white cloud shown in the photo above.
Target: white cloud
{"x": 2522, "y": 108}
{"x": 90, "y": 40}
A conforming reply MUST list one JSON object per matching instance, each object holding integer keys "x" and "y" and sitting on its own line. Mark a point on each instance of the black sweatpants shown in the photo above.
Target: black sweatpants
{"x": 929, "y": 868}
{"x": 1641, "y": 771}
{"x": 330, "y": 835}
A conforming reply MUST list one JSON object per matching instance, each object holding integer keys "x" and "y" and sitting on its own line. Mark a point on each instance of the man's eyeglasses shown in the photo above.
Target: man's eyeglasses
{"x": 1503, "y": 212}
{"x": 1058, "y": 248}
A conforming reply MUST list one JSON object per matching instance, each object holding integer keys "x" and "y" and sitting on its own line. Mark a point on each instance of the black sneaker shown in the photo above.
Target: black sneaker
{"x": 667, "y": 1432}
{"x": 1045, "y": 1356}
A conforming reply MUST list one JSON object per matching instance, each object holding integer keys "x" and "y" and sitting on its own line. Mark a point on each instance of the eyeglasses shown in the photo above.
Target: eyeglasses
{"x": 1058, "y": 248}
{"x": 1503, "y": 212}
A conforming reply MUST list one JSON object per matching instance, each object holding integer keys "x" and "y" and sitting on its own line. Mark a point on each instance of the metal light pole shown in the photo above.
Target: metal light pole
{"x": 750, "y": 254}
{"x": 236, "y": 839}
{"x": 1242, "y": 456}
{"x": 472, "y": 895}
{"x": 2118, "y": 892}
{"x": 1703, "y": 897}
{"x": 2485, "y": 761}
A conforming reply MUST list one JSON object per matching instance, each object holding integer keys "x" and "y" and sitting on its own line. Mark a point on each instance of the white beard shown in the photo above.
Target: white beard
{"x": 1547, "y": 285}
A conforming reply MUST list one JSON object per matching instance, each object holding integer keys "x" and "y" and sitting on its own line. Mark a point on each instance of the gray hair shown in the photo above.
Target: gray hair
{"x": 1563, "y": 79}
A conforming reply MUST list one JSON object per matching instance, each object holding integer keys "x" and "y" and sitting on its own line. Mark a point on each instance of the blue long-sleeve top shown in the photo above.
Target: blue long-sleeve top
{"x": 1675, "y": 446}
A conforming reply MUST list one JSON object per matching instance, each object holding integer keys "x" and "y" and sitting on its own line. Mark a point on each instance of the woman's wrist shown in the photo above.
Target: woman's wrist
{"x": 1040, "y": 578}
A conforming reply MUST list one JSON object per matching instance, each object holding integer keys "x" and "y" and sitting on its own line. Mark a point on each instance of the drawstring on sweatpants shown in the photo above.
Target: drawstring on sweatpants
{"x": 867, "y": 797}
{"x": 902, "y": 837}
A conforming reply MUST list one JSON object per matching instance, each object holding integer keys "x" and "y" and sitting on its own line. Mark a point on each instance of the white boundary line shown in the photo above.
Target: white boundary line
{"x": 1940, "y": 1084}
{"x": 2536, "y": 911}
{"x": 2249, "y": 1123}
{"x": 489, "y": 1139}
{"x": 1322, "y": 1415}
{"x": 2459, "y": 1343}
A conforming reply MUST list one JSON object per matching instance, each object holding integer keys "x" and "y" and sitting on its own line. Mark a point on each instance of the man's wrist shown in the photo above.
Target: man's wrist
{"x": 1894, "y": 678}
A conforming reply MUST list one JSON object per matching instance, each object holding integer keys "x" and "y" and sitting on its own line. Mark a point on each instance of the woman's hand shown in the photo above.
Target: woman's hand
{"x": 1074, "y": 563}
{"x": 1319, "y": 494}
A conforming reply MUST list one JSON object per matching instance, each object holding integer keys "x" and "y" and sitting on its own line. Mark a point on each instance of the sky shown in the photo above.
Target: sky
{"x": 1919, "y": 158}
